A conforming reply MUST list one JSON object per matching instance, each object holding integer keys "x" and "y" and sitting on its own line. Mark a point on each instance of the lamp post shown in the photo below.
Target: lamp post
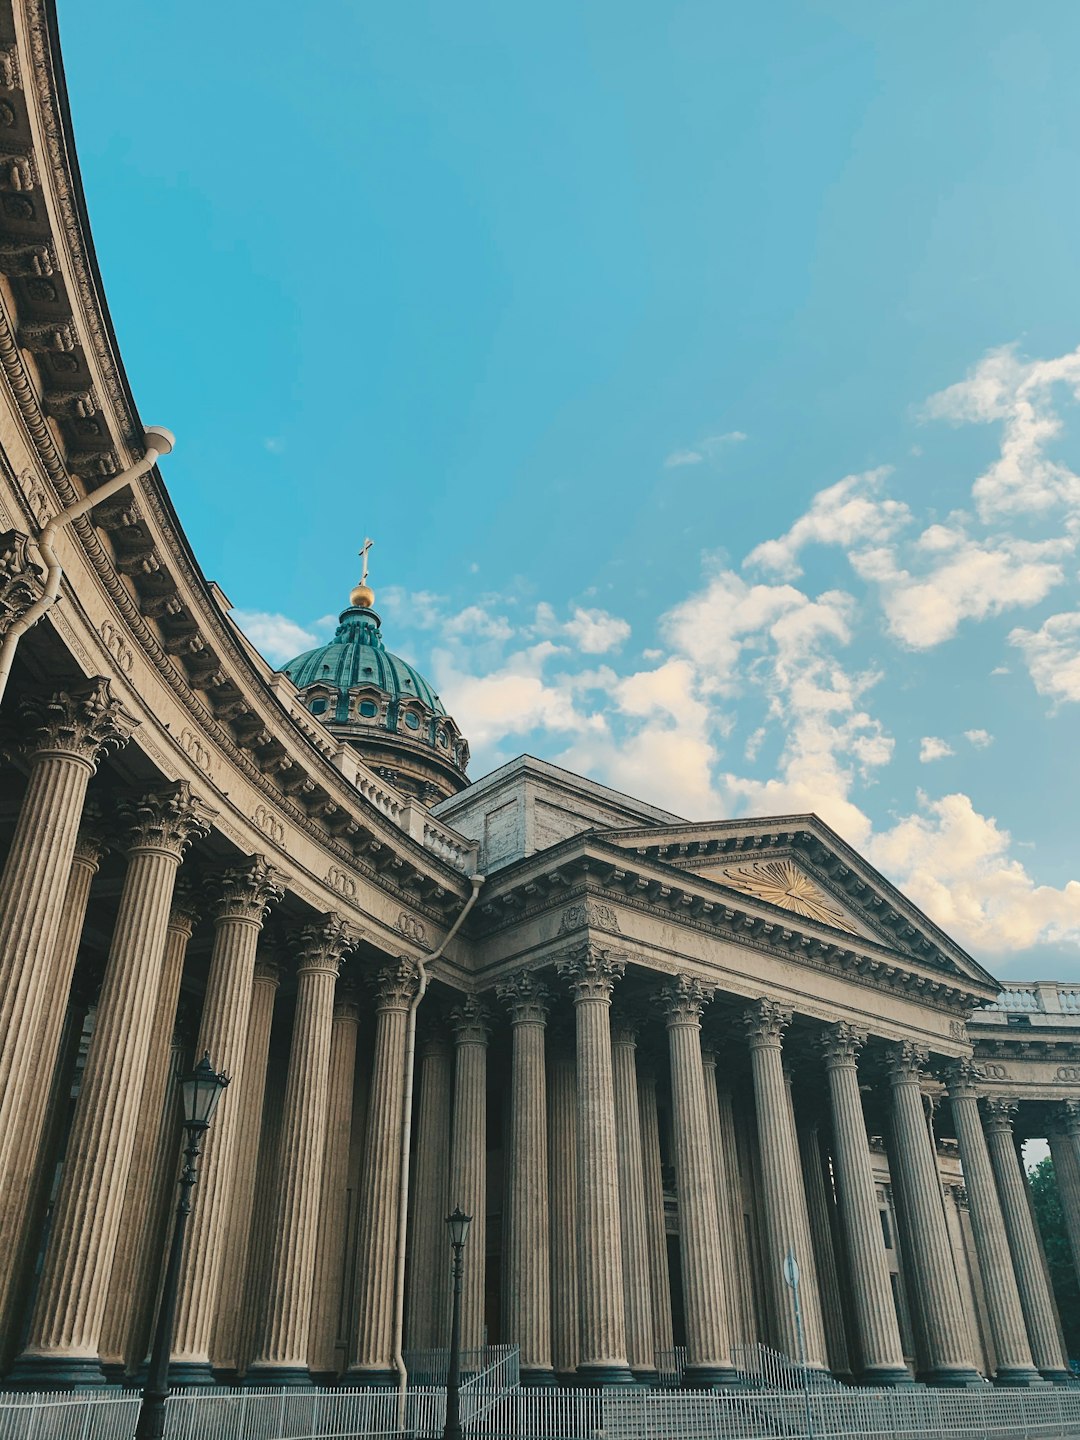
{"x": 457, "y": 1225}
{"x": 201, "y": 1090}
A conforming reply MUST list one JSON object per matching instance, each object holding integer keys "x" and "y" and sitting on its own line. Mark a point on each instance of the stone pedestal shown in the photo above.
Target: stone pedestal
{"x": 640, "y": 1349}
{"x": 241, "y": 900}
{"x": 528, "y": 1250}
{"x": 915, "y": 1179}
{"x": 427, "y": 1313}
{"x": 468, "y": 1159}
{"x": 592, "y": 972}
{"x": 64, "y": 1340}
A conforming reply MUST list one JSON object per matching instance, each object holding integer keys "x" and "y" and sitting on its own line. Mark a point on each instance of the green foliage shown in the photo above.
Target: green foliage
{"x": 1047, "y": 1199}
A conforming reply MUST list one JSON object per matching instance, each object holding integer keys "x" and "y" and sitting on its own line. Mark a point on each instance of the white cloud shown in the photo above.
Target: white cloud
{"x": 851, "y": 512}
{"x": 704, "y": 450}
{"x": 1052, "y": 655}
{"x": 595, "y": 632}
{"x": 979, "y": 738}
{"x": 933, "y": 748}
{"x": 275, "y": 636}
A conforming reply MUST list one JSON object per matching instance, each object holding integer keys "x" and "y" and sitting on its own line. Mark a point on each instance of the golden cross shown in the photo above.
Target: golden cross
{"x": 364, "y": 557}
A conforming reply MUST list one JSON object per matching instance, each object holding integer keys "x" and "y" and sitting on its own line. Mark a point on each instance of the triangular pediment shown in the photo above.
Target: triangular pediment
{"x": 782, "y": 882}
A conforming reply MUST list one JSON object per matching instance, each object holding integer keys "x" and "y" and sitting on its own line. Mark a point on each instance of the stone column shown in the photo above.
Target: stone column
{"x": 708, "y": 1339}
{"x": 64, "y": 737}
{"x": 562, "y": 1189}
{"x": 1063, "y": 1137}
{"x": 326, "y": 1307}
{"x": 640, "y": 1349}
{"x": 819, "y": 1210}
{"x": 468, "y": 1158}
{"x": 742, "y": 1283}
{"x": 592, "y": 972}
{"x": 232, "y": 1293}
{"x": 878, "y": 1333}
{"x": 380, "y": 1180}
{"x": 282, "y": 1358}
{"x": 783, "y": 1202}
{"x": 528, "y": 1245}
{"x": 65, "y": 1333}
{"x": 429, "y": 1251}
{"x": 914, "y": 1173}
{"x": 121, "y": 1331}
{"x": 655, "y": 1223}
{"x": 1027, "y": 1261}
{"x": 729, "y": 1230}
{"x": 1006, "y": 1317}
{"x": 243, "y": 895}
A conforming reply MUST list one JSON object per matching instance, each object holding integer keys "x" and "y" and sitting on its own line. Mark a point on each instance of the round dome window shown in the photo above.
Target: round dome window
{"x": 412, "y": 720}
{"x": 368, "y": 709}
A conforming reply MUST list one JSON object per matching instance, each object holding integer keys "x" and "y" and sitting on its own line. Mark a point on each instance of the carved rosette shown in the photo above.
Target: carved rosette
{"x": 246, "y": 892}
{"x": 591, "y": 971}
{"x": 963, "y": 1078}
{"x": 470, "y": 1022}
{"x": 998, "y": 1115}
{"x": 765, "y": 1023}
{"x": 185, "y": 912}
{"x": 396, "y": 984}
{"x": 22, "y": 582}
{"x": 683, "y": 998}
{"x": 165, "y": 819}
{"x": 840, "y": 1045}
{"x": 906, "y": 1062}
{"x": 324, "y": 943}
{"x": 86, "y": 721}
{"x": 526, "y": 997}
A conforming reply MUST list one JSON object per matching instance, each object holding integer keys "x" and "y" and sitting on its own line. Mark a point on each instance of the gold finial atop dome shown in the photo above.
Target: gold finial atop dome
{"x": 361, "y": 596}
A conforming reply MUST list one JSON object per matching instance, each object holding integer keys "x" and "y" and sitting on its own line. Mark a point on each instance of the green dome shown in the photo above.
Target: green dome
{"x": 357, "y": 656}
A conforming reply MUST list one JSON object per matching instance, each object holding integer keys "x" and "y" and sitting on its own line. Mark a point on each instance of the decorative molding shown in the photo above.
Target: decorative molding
{"x": 526, "y": 997}
{"x": 167, "y": 818}
{"x": 591, "y": 970}
{"x": 765, "y": 1021}
{"x": 840, "y": 1045}
{"x": 589, "y": 914}
{"x": 246, "y": 892}
{"x": 86, "y": 720}
{"x": 683, "y": 999}
{"x": 410, "y": 927}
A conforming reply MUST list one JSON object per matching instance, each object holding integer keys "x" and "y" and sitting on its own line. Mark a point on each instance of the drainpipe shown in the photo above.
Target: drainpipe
{"x": 159, "y": 441}
{"x": 406, "y": 1141}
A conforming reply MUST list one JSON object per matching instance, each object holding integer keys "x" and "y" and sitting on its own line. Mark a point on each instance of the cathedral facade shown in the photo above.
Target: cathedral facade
{"x": 661, "y": 1064}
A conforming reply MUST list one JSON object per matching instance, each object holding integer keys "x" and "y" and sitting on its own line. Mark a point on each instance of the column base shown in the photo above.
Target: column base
{"x": 647, "y": 1377}
{"x": 708, "y": 1377}
{"x": 194, "y": 1373}
{"x": 604, "y": 1375}
{"x": 380, "y": 1379}
{"x": 890, "y": 1377}
{"x": 538, "y": 1377}
{"x": 957, "y": 1379}
{"x": 1020, "y": 1378}
{"x": 56, "y": 1372}
{"x": 285, "y": 1377}
{"x": 1061, "y": 1377}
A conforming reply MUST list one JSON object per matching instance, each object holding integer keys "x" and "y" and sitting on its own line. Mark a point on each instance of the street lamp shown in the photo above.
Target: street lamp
{"x": 457, "y": 1226}
{"x": 200, "y": 1090}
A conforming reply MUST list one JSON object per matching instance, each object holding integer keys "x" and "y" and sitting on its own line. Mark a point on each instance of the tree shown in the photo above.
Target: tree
{"x": 1048, "y": 1212}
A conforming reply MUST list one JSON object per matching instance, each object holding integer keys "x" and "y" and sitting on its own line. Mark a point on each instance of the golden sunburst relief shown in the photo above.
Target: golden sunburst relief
{"x": 782, "y": 883}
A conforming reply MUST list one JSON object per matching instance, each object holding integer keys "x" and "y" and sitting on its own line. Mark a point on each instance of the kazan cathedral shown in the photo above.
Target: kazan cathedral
{"x": 652, "y": 1059}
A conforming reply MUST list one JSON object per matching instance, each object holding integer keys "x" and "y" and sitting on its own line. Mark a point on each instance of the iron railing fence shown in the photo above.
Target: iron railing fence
{"x": 430, "y": 1367}
{"x": 766, "y": 1369}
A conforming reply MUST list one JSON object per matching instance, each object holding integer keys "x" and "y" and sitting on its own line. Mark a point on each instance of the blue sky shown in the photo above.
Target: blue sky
{"x": 707, "y": 376}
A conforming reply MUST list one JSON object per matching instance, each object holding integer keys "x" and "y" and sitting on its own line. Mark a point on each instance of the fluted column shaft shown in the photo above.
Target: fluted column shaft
{"x": 243, "y": 896}
{"x": 724, "y": 1198}
{"x": 562, "y": 1188}
{"x": 640, "y": 1349}
{"x": 1006, "y": 1317}
{"x": 528, "y": 1247}
{"x": 915, "y": 1175}
{"x": 65, "y": 737}
{"x": 227, "y": 1332}
{"x": 708, "y": 1338}
{"x": 655, "y": 1223}
{"x": 745, "y": 1331}
{"x": 783, "y": 1202}
{"x": 66, "y": 1328}
{"x": 380, "y": 1180}
{"x": 333, "y": 1211}
{"x": 429, "y": 1253}
{"x": 283, "y": 1354}
{"x": 468, "y": 1159}
{"x": 819, "y": 1207}
{"x": 1063, "y": 1137}
{"x": 880, "y": 1347}
{"x": 1027, "y": 1260}
{"x": 123, "y": 1316}
{"x": 592, "y": 973}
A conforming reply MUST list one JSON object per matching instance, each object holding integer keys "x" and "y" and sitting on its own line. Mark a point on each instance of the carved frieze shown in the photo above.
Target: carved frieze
{"x": 782, "y": 883}
{"x": 590, "y": 913}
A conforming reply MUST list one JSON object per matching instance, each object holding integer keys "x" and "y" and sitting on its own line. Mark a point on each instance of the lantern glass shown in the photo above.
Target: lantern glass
{"x": 458, "y": 1225}
{"x": 201, "y": 1090}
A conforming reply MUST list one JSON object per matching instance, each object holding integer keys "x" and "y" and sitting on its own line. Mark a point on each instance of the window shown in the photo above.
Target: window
{"x": 886, "y": 1229}
{"x": 412, "y": 720}
{"x": 318, "y": 707}
{"x": 368, "y": 709}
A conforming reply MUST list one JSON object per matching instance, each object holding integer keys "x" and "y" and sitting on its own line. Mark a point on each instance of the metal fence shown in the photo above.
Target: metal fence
{"x": 571, "y": 1414}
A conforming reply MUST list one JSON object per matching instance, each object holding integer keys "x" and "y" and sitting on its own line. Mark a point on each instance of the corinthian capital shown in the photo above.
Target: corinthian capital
{"x": 683, "y": 999}
{"x": 323, "y": 943}
{"x": 470, "y": 1022}
{"x": 963, "y": 1078}
{"x": 526, "y": 997}
{"x": 906, "y": 1062}
{"x": 396, "y": 984}
{"x": 591, "y": 970}
{"x": 1066, "y": 1118}
{"x": 91, "y": 843}
{"x": 21, "y": 580}
{"x": 840, "y": 1045}
{"x": 185, "y": 911}
{"x": 999, "y": 1115}
{"x": 85, "y": 721}
{"x": 166, "y": 818}
{"x": 247, "y": 891}
{"x": 765, "y": 1023}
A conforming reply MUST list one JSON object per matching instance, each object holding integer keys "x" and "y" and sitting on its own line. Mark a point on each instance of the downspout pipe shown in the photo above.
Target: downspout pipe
{"x": 406, "y": 1143}
{"x": 159, "y": 441}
